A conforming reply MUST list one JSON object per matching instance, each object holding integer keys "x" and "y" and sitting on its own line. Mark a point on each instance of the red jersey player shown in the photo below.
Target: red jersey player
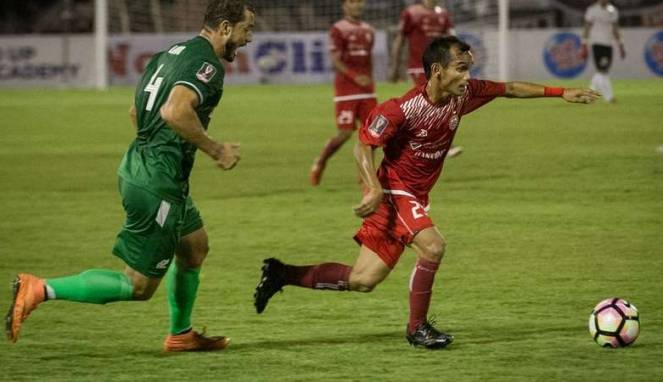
{"x": 419, "y": 24}
{"x": 415, "y": 131}
{"x": 351, "y": 46}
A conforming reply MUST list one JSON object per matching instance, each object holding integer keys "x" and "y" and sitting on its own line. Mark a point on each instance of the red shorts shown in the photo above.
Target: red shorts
{"x": 394, "y": 225}
{"x": 349, "y": 112}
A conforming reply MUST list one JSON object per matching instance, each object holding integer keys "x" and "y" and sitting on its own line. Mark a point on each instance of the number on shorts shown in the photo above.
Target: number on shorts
{"x": 345, "y": 117}
{"x": 417, "y": 207}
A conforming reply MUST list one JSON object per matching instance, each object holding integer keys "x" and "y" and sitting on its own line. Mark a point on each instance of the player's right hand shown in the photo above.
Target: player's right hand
{"x": 229, "y": 156}
{"x": 580, "y": 95}
{"x": 369, "y": 203}
{"x": 363, "y": 80}
{"x": 584, "y": 52}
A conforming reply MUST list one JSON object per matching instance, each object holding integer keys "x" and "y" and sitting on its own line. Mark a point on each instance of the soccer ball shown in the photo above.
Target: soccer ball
{"x": 614, "y": 322}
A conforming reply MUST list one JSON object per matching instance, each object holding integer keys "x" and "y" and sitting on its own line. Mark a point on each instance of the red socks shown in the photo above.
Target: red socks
{"x": 333, "y": 276}
{"x": 421, "y": 289}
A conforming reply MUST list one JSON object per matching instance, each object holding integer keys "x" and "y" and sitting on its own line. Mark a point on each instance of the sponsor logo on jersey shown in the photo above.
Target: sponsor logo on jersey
{"x": 434, "y": 155}
{"x": 453, "y": 122}
{"x": 423, "y": 133}
{"x": 206, "y": 72}
{"x": 377, "y": 127}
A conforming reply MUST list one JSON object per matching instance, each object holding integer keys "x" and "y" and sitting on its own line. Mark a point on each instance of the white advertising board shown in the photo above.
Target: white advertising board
{"x": 67, "y": 61}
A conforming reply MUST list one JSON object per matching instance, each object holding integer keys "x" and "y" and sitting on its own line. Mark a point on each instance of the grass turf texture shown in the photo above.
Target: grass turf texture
{"x": 552, "y": 208}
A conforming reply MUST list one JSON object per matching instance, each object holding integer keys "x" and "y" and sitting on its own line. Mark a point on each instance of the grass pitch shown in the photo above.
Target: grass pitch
{"x": 552, "y": 208}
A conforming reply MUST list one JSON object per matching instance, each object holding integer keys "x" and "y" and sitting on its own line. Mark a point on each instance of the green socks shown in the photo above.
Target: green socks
{"x": 96, "y": 286}
{"x": 182, "y": 284}
{"x": 100, "y": 286}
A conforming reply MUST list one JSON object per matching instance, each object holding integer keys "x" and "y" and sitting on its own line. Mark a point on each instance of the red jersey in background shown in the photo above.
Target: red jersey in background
{"x": 353, "y": 41}
{"x": 420, "y": 25}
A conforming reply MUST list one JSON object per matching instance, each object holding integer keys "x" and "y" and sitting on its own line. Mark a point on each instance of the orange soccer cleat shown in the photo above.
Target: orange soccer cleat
{"x": 28, "y": 292}
{"x": 194, "y": 341}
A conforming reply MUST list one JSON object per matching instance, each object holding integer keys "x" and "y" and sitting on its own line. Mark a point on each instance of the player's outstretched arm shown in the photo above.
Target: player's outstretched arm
{"x": 366, "y": 164}
{"x": 530, "y": 90}
{"x": 180, "y": 114}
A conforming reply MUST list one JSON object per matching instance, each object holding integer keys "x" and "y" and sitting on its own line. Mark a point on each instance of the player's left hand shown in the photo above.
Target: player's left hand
{"x": 229, "y": 156}
{"x": 369, "y": 203}
{"x": 622, "y": 52}
{"x": 580, "y": 95}
{"x": 363, "y": 80}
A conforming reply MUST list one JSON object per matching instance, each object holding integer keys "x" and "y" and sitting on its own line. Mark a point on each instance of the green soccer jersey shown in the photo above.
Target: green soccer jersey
{"x": 158, "y": 159}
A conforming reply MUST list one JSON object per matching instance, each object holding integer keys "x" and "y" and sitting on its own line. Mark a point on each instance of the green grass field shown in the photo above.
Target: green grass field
{"x": 552, "y": 208}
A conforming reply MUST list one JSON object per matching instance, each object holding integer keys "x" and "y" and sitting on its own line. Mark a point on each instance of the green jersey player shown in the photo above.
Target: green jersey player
{"x": 171, "y": 111}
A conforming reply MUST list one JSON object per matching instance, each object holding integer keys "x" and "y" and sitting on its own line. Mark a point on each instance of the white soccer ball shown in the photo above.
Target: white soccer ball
{"x": 614, "y": 322}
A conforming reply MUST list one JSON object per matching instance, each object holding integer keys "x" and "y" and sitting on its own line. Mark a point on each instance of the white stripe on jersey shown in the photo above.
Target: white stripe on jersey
{"x": 354, "y": 97}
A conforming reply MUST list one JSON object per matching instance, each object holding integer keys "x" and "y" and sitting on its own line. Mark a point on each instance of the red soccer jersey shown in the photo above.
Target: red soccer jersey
{"x": 353, "y": 41}
{"x": 420, "y": 25}
{"x": 416, "y": 134}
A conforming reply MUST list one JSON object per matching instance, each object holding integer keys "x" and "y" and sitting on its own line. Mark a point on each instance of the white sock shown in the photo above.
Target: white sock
{"x": 50, "y": 293}
{"x": 595, "y": 82}
{"x": 607, "y": 88}
{"x": 604, "y": 86}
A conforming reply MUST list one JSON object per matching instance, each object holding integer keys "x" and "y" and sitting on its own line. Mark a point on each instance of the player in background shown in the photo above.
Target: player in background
{"x": 419, "y": 25}
{"x": 351, "y": 50}
{"x": 415, "y": 132}
{"x": 601, "y": 30}
{"x": 171, "y": 111}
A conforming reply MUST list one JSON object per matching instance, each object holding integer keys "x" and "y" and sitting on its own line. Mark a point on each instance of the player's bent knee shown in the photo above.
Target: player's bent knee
{"x": 434, "y": 251}
{"x": 143, "y": 293}
{"x": 194, "y": 258}
{"x": 363, "y": 284}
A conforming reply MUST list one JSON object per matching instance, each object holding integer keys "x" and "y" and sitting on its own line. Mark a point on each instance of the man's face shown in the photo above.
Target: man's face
{"x": 455, "y": 76}
{"x": 353, "y": 8}
{"x": 242, "y": 33}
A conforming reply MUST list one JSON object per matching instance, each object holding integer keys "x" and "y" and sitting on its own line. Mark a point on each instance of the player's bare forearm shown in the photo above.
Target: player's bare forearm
{"x": 180, "y": 114}
{"x": 396, "y": 58}
{"x": 585, "y": 32}
{"x": 530, "y": 90}
{"x": 372, "y": 198}
{"x": 132, "y": 115}
{"x": 523, "y": 90}
{"x": 340, "y": 67}
{"x": 365, "y": 162}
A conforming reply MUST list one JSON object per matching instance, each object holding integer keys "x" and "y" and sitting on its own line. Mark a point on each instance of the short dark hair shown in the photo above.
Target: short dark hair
{"x": 439, "y": 51}
{"x": 230, "y": 10}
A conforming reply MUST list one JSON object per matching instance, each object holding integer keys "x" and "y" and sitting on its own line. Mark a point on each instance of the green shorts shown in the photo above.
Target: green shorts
{"x": 152, "y": 231}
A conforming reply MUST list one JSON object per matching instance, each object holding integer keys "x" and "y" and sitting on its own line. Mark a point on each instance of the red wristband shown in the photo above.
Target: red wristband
{"x": 552, "y": 92}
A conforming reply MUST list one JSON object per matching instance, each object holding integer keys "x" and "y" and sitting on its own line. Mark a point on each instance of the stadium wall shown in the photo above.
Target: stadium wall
{"x": 302, "y": 57}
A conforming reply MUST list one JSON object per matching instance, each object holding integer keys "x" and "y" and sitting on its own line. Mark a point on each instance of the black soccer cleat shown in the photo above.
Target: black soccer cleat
{"x": 272, "y": 281}
{"x": 426, "y": 335}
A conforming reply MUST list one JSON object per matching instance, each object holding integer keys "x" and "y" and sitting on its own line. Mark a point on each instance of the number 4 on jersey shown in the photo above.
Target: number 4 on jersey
{"x": 153, "y": 88}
